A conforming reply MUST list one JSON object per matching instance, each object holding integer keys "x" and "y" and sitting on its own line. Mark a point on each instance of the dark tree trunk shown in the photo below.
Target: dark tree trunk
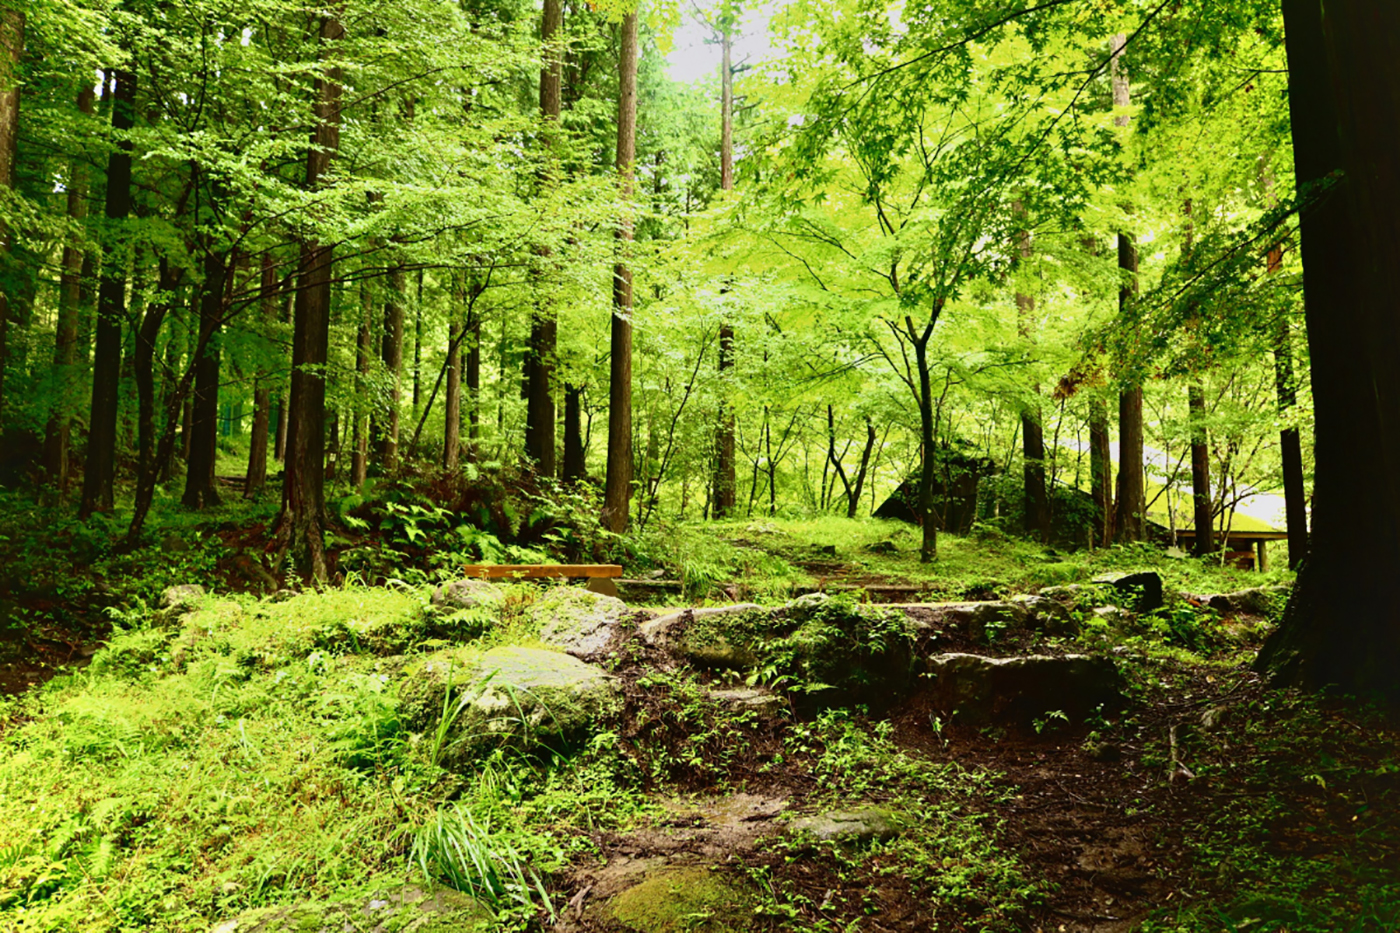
{"x": 65, "y": 352}
{"x": 473, "y": 375}
{"x": 452, "y": 405}
{"x": 544, "y": 324}
{"x": 364, "y": 355}
{"x": 144, "y": 362}
{"x": 1290, "y": 443}
{"x": 928, "y": 517}
{"x": 722, "y": 505}
{"x": 1100, "y": 470}
{"x": 575, "y": 465}
{"x": 99, "y": 474}
{"x": 201, "y": 487}
{"x": 262, "y": 390}
{"x": 853, "y": 498}
{"x": 1342, "y": 624}
{"x": 301, "y": 526}
{"x": 1037, "y": 502}
{"x": 1130, "y": 521}
{"x": 392, "y": 356}
{"x": 1200, "y": 470}
{"x": 617, "y": 488}
{"x": 11, "y": 49}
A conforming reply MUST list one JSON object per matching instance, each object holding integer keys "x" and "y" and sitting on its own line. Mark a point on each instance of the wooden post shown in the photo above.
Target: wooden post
{"x": 1262, "y": 562}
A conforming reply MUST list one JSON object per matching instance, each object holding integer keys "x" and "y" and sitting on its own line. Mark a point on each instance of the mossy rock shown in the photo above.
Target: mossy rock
{"x": 577, "y": 620}
{"x": 525, "y": 698}
{"x": 409, "y": 909}
{"x": 682, "y": 900}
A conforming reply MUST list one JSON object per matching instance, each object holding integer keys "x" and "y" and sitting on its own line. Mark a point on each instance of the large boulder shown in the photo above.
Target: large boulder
{"x": 408, "y": 909}
{"x": 675, "y": 899}
{"x": 579, "y": 621}
{"x": 467, "y": 704}
{"x": 1020, "y": 689}
{"x": 1258, "y": 601}
{"x": 714, "y": 636}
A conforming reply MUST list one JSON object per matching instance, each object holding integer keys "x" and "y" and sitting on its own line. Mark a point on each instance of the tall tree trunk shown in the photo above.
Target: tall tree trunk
{"x": 262, "y": 389}
{"x": 853, "y": 499}
{"x": 418, "y": 342}
{"x": 392, "y": 355}
{"x": 99, "y": 472}
{"x": 1100, "y": 470}
{"x": 617, "y": 488}
{"x": 144, "y": 359}
{"x": 724, "y": 481}
{"x": 544, "y": 323}
{"x": 1037, "y": 504}
{"x": 452, "y": 405}
{"x": 11, "y": 50}
{"x": 1130, "y": 522}
{"x": 1200, "y": 470}
{"x": 1342, "y": 624}
{"x": 928, "y": 516}
{"x": 301, "y": 526}
{"x": 575, "y": 458}
{"x": 364, "y": 355}
{"x": 473, "y": 377}
{"x": 1295, "y": 504}
{"x": 65, "y": 352}
{"x": 201, "y": 486}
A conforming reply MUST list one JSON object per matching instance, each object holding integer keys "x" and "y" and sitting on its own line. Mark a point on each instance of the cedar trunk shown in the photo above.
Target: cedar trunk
{"x": 1342, "y": 624}
{"x": 200, "y": 484}
{"x": 1200, "y": 470}
{"x": 617, "y": 488}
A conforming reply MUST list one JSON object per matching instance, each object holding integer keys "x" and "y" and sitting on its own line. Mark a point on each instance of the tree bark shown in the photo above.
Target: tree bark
{"x": 575, "y": 458}
{"x": 11, "y": 50}
{"x": 853, "y": 500}
{"x": 99, "y": 472}
{"x": 473, "y": 376}
{"x": 364, "y": 354}
{"x": 617, "y": 488}
{"x": 201, "y": 487}
{"x": 57, "y": 434}
{"x": 144, "y": 357}
{"x": 1130, "y": 521}
{"x": 723, "y": 504}
{"x": 1037, "y": 504}
{"x": 301, "y": 526}
{"x": 452, "y": 405}
{"x": 1100, "y": 470}
{"x": 544, "y": 324}
{"x": 262, "y": 389}
{"x": 1290, "y": 442}
{"x": 392, "y": 355}
{"x": 1200, "y": 471}
{"x": 1342, "y": 625}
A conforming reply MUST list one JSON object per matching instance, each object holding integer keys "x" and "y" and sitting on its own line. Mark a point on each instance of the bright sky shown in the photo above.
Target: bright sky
{"x": 693, "y": 59}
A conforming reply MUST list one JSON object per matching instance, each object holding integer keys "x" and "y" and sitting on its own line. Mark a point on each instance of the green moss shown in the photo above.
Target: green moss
{"x": 684, "y": 899}
{"x": 404, "y": 910}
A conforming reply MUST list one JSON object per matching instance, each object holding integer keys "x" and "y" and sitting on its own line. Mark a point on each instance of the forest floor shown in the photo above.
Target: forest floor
{"x": 167, "y": 781}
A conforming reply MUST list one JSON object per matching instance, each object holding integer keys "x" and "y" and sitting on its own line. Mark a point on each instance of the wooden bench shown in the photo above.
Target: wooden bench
{"x": 600, "y": 576}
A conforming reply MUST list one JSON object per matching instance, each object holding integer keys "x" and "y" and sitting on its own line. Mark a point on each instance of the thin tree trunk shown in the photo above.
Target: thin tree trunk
{"x": 473, "y": 383}
{"x": 301, "y": 526}
{"x": 364, "y": 355}
{"x": 65, "y": 354}
{"x": 452, "y": 405}
{"x": 99, "y": 473}
{"x": 575, "y": 460}
{"x": 853, "y": 497}
{"x": 1200, "y": 470}
{"x": 1100, "y": 470}
{"x": 201, "y": 487}
{"x": 393, "y": 363}
{"x": 11, "y": 50}
{"x": 724, "y": 480}
{"x": 1037, "y": 503}
{"x": 617, "y": 489}
{"x": 1131, "y": 518}
{"x": 262, "y": 390}
{"x": 144, "y": 357}
{"x": 1290, "y": 442}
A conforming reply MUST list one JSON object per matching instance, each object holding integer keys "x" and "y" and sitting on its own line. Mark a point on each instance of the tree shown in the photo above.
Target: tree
{"x": 11, "y": 51}
{"x": 617, "y": 487}
{"x": 1342, "y": 624}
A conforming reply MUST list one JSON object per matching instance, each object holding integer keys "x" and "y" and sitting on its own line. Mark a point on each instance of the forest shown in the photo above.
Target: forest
{"x": 975, "y": 424}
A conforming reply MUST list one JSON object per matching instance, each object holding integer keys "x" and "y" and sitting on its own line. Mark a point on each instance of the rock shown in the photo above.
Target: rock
{"x": 1258, "y": 601}
{"x": 408, "y": 909}
{"x": 183, "y": 596}
{"x": 980, "y": 620}
{"x": 1046, "y": 614}
{"x": 854, "y": 826}
{"x": 580, "y": 621}
{"x": 520, "y": 697}
{"x": 749, "y": 698}
{"x": 1142, "y": 591}
{"x": 804, "y": 607}
{"x": 981, "y": 689}
{"x": 882, "y": 547}
{"x": 1119, "y": 620}
{"x": 668, "y": 632}
{"x": 467, "y": 594}
{"x": 673, "y": 899}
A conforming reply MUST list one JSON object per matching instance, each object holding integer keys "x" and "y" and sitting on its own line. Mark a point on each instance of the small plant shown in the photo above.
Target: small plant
{"x": 469, "y": 855}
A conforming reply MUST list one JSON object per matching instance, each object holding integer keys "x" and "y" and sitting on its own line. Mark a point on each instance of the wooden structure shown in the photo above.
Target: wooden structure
{"x": 600, "y": 576}
{"x": 1247, "y": 549}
